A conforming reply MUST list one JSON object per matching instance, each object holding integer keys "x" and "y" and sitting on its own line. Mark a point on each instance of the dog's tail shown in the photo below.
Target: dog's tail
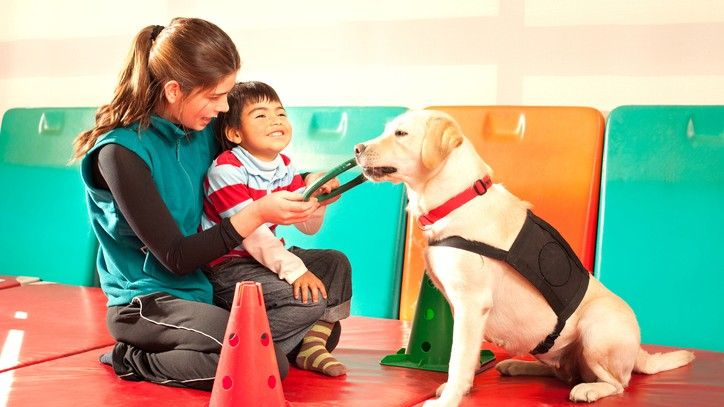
{"x": 658, "y": 362}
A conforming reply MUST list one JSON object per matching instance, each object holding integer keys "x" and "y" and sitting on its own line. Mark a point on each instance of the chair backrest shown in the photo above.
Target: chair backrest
{"x": 45, "y": 228}
{"x": 662, "y": 214}
{"x": 549, "y": 156}
{"x": 368, "y": 222}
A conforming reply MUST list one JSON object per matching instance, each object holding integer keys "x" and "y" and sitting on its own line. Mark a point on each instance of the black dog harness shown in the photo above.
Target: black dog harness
{"x": 541, "y": 255}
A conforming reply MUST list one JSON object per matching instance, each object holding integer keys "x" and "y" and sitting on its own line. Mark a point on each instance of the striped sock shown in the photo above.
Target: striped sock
{"x": 314, "y": 356}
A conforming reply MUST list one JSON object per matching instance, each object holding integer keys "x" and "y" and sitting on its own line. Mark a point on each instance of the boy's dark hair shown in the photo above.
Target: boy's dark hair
{"x": 241, "y": 94}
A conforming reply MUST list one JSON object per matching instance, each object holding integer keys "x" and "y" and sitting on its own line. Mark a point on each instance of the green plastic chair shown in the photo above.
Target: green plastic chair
{"x": 45, "y": 228}
{"x": 368, "y": 222}
{"x": 661, "y": 221}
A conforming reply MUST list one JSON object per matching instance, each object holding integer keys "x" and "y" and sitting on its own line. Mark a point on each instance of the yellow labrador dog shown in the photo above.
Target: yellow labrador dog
{"x": 508, "y": 276}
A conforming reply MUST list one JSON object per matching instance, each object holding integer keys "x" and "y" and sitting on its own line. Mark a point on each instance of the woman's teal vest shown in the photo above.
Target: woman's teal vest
{"x": 178, "y": 162}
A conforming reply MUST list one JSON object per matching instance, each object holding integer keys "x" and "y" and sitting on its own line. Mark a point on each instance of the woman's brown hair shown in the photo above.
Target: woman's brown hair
{"x": 194, "y": 52}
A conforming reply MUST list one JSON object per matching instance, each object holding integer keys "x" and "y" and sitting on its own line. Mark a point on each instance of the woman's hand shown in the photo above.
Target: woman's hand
{"x": 284, "y": 208}
{"x": 308, "y": 282}
{"x": 324, "y": 189}
{"x": 281, "y": 207}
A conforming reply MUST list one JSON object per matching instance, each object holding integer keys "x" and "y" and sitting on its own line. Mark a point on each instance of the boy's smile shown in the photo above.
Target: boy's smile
{"x": 265, "y": 129}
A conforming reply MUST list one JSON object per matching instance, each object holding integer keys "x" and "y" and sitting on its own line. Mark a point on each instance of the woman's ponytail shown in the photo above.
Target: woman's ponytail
{"x": 193, "y": 52}
{"x": 133, "y": 98}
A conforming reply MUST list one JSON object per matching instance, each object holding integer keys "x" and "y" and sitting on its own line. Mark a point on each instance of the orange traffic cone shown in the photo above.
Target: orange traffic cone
{"x": 248, "y": 374}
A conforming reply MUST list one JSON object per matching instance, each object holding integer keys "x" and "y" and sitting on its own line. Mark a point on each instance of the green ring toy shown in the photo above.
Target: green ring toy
{"x": 345, "y": 166}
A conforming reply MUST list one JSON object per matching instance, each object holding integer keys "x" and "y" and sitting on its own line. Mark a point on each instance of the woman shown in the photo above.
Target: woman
{"x": 143, "y": 165}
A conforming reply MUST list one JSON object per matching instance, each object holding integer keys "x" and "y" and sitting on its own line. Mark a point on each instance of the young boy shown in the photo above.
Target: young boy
{"x": 252, "y": 134}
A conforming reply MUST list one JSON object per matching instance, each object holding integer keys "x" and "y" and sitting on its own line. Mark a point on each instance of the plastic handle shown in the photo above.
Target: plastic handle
{"x": 345, "y": 166}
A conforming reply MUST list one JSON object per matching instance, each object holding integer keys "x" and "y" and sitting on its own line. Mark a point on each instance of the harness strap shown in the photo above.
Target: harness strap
{"x": 487, "y": 250}
{"x": 547, "y": 343}
{"x": 480, "y": 248}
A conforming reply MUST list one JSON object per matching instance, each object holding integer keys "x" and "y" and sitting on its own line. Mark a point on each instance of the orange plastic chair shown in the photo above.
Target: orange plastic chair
{"x": 548, "y": 156}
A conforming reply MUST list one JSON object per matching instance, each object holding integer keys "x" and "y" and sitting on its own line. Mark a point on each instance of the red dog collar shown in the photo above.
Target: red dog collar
{"x": 479, "y": 187}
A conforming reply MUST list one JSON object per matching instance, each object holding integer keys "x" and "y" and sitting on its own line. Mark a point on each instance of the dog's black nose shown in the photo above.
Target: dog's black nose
{"x": 359, "y": 148}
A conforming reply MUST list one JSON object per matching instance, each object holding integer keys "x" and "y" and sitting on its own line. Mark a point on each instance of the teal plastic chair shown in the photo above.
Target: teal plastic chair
{"x": 662, "y": 218}
{"x": 45, "y": 227}
{"x": 368, "y": 222}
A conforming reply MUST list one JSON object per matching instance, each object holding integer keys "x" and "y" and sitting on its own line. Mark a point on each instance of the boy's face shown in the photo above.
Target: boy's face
{"x": 265, "y": 129}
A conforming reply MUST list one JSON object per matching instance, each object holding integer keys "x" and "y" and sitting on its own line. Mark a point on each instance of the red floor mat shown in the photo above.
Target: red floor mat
{"x": 63, "y": 320}
{"x": 700, "y": 384}
{"x": 40, "y": 322}
{"x": 8, "y": 282}
{"x": 80, "y": 380}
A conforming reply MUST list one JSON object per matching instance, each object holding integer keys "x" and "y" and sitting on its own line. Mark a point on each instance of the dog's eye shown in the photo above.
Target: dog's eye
{"x": 400, "y": 133}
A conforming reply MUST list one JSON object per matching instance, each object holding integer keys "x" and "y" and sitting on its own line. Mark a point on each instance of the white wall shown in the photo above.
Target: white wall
{"x": 411, "y": 53}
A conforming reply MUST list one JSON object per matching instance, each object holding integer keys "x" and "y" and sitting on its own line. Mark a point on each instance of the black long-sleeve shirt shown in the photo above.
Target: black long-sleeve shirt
{"x": 129, "y": 180}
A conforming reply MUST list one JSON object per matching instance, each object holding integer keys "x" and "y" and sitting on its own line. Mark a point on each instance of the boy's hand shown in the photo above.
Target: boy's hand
{"x": 308, "y": 282}
{"x": 324, "y": 189}
{"x": 284, "y": 208}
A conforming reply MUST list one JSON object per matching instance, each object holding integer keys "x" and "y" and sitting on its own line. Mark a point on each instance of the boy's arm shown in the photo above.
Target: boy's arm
{"x": 268, "y": 250}
{"x": 313, "y": 224}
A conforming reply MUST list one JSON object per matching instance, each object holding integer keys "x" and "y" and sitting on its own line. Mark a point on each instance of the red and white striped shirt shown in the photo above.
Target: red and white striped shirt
{"x": 234, "y": 180}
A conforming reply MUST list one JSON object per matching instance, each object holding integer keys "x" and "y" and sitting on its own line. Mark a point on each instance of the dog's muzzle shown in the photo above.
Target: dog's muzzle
{"x": 369, "y": 171}
{"x": 378, "y": 172}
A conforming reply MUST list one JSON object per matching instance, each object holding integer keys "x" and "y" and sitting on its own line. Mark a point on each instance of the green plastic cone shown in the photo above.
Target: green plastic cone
{"x": 431, "y": 336}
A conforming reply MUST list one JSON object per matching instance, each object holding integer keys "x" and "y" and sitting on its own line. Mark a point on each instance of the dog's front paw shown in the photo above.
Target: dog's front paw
{"x": 440, "y": 402}
{"x": 447, "y": 396}
{"x": 432, "y": 403}
{"x": 590, "y": 392}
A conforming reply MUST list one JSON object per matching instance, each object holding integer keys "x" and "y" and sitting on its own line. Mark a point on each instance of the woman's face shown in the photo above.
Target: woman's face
{"x": 195, "y": 110}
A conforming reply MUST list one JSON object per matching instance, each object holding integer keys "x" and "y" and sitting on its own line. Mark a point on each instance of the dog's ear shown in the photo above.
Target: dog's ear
{"x": 441, "y": 137}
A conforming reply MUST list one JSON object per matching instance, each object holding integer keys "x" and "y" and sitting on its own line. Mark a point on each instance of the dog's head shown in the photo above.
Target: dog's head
{"x": 411, "y": 147}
